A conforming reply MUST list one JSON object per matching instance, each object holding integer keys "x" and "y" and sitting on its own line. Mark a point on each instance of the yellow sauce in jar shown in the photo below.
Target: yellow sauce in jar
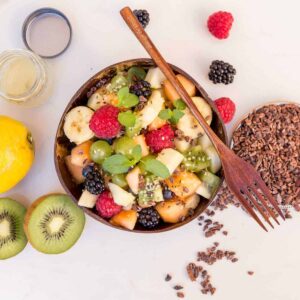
{"x": 23, "y": 78}
{"x": 18, "y": 77}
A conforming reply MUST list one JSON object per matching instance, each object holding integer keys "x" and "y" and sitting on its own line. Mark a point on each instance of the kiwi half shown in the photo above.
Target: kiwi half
{"x": 54, "y": 223}
{"x": 12, "y": 237}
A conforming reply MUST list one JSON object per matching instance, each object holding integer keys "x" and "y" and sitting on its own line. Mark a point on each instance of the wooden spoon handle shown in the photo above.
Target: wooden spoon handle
{"x": 144, "y": 39}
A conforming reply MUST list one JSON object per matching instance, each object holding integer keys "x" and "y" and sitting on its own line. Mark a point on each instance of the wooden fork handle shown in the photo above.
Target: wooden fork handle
{"x": 144, "y": 39}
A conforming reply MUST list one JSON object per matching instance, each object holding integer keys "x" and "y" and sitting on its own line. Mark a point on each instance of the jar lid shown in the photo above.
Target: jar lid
{"x": 47, "y": 32}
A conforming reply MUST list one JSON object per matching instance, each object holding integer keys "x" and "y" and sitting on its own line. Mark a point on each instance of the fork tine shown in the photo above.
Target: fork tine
{"x": 248, "y": 208}
{"x": 265, "y": 204}
{"x": 268, "y": 195}
{"x": 258, "y": 207}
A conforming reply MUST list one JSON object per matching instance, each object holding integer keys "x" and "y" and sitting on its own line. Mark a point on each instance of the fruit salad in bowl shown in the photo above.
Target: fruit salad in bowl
{"x": 131, "y": 154}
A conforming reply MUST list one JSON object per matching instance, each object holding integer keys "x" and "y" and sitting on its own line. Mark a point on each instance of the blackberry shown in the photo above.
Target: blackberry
{"x": 94, "y": 182}
{"x": 143, "y": 16}
{"x": 221, "y": 72}
{"x": 141, "y": 88}
{"x": 148, "y": 217}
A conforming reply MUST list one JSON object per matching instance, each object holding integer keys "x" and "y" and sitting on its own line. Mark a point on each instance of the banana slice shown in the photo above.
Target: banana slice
{"x": 76, "y": 125}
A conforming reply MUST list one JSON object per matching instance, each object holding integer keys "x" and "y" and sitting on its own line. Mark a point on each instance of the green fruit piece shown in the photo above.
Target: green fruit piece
{"x": 119, "y": 179}
{"x": 54, "y": 223}
{"x": 212, "y": 181}
{"x": 136, "y": 73}
{"x": 195, "y": 159}
{"x": 151, "y": 193}
{"x": 124, "y": 145}
{"x": 134, "y": 130}
{"x": 142, "y": 164}
{"x": 99, "y": 151}
{"x": 118, "y": 82}
{"x": 12, "y": 236}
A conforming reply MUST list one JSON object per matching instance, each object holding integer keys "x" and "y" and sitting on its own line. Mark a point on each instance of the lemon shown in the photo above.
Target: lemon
{"x": 16, "y": 152}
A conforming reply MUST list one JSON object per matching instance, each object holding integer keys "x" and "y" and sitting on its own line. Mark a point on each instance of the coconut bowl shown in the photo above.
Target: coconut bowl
{"x": 63, "y": 146}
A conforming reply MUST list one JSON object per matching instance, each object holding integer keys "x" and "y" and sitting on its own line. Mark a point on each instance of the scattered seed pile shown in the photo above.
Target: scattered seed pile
{"x": 269, "y": 139}
{"x": 212, "y": 254}
{"x": 209, "y": 226}
{"x": 224, "y": 198}
{"x": 197, "y": 273}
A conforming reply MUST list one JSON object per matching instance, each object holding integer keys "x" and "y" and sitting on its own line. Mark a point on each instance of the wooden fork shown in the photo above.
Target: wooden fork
{"x": 242, "y": 179}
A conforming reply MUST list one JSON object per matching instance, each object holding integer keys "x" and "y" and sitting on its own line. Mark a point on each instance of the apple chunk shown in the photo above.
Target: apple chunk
{"x": 120, "y": 196}
{"x": 87, "y": 199}
{"x": 189, "y": 125}
{"x": 132, "y": 179}
{"x": 170, "y": 158}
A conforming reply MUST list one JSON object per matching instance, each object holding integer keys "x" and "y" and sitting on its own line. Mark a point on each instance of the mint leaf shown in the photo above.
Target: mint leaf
{"x": 173, "y": 116}
{"x": 127, "y": 99}
{"x": 165, "y": 114}
{"x": 136, "y": 73}
{"x": 179, "y": 104}
{"x": 136, "y": 154}
{"x": 177, "y": 114}
{"x": 157, "y": 168}
{"x": 116, "y": 164}
{"x": 127, "y": 118}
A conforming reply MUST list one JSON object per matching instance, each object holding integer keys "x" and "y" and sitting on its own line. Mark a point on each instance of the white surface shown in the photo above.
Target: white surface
{"x": 109, "y": 264}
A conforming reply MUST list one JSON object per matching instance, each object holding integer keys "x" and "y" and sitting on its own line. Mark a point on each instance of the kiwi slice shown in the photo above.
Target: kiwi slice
{"x": 54, "y": 223}
{"x": 12, "y": 236}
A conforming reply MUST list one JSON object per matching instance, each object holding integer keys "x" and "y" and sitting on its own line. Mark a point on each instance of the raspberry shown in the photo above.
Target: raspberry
{"x": 106, "y": 206}
{"x": 219, "y": 24}
{"x": 160, "y": 138}
{"x": 226, "y": 108}
{"x": 104, "y": 122}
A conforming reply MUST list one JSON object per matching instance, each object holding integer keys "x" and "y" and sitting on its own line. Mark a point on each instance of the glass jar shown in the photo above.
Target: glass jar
{"x": 23, "y": 78}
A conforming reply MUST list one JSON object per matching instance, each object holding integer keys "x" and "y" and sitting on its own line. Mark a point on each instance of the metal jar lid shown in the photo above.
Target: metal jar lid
{"x": 47, "y": 32}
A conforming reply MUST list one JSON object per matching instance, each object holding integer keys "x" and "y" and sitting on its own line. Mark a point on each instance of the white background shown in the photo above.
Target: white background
{"x": 108, "y": 264}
